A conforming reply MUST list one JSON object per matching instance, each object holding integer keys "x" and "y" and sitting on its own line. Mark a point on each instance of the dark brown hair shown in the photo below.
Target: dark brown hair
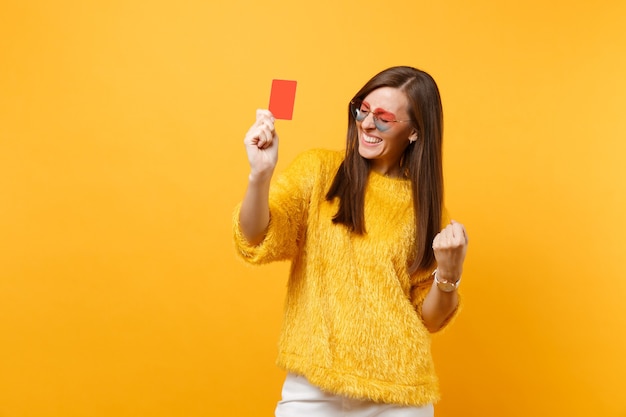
{"x": 421, "y": 161}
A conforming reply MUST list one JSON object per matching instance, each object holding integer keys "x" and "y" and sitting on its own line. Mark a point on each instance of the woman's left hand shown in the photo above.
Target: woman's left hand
{"x": 450, "y": 247}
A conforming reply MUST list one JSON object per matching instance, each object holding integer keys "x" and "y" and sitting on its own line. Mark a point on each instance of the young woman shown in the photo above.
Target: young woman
{"x": 375, "y": 265}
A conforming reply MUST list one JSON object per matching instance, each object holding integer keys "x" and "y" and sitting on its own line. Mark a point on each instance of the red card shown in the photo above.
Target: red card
{"x": 282, "y": 98}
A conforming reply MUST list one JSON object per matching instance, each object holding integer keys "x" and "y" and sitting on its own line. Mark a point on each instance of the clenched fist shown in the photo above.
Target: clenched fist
{"x": 450, "y": 247}
{"x": 261, "y": 143}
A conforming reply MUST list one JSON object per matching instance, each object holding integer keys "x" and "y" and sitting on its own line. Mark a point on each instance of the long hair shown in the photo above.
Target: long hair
{"x": 421, "y": 162}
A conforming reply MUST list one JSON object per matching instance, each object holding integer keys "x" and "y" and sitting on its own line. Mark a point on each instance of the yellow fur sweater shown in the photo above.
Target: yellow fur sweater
{"x": 352, "y": 314}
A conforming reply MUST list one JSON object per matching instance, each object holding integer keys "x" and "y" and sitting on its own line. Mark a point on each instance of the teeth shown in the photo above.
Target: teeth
{"x": 370, "y": 139}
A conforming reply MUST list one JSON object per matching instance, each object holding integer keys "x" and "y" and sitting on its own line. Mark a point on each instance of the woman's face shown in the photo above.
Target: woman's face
{"x": 384, "y": 140}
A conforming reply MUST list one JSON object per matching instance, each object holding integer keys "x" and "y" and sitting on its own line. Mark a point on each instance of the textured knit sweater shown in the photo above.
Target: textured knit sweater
{"x": 352, "y": 323}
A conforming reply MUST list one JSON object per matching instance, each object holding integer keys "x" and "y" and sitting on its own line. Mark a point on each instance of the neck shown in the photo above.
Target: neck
{"x": 391, "y": 172}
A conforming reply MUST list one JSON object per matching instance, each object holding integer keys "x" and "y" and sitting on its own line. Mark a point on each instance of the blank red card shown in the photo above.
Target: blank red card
{"x": 282, "y": 98}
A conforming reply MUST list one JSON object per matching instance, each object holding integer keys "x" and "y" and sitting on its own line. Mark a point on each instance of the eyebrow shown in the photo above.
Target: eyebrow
{"x": 378, "y": 110}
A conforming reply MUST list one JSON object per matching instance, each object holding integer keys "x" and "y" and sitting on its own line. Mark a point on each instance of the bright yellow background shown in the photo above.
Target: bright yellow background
{"x": 121, "y": 159}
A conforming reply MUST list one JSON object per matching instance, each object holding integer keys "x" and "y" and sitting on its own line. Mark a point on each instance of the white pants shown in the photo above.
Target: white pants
{"x": 302, "y": 399}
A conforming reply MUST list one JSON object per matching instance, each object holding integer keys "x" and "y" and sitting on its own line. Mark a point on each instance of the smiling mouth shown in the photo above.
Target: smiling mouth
{"x": 370, "y": 139}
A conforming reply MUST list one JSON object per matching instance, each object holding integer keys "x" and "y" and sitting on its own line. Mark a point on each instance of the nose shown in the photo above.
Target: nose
{"x": 368, "y": 122}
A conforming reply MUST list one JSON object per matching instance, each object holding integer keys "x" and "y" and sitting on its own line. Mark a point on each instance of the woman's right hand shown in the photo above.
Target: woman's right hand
{"x": 261, "y": 143}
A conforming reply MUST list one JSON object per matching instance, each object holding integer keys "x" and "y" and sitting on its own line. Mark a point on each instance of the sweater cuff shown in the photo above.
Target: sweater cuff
{"x": 251, "y": 253}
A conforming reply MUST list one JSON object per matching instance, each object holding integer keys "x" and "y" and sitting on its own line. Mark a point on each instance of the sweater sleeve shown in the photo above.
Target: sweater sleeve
{"x": 289, "y": 200}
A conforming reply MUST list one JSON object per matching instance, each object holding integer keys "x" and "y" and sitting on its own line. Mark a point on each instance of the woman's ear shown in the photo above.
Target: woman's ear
{"x": 413, "y": 137}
